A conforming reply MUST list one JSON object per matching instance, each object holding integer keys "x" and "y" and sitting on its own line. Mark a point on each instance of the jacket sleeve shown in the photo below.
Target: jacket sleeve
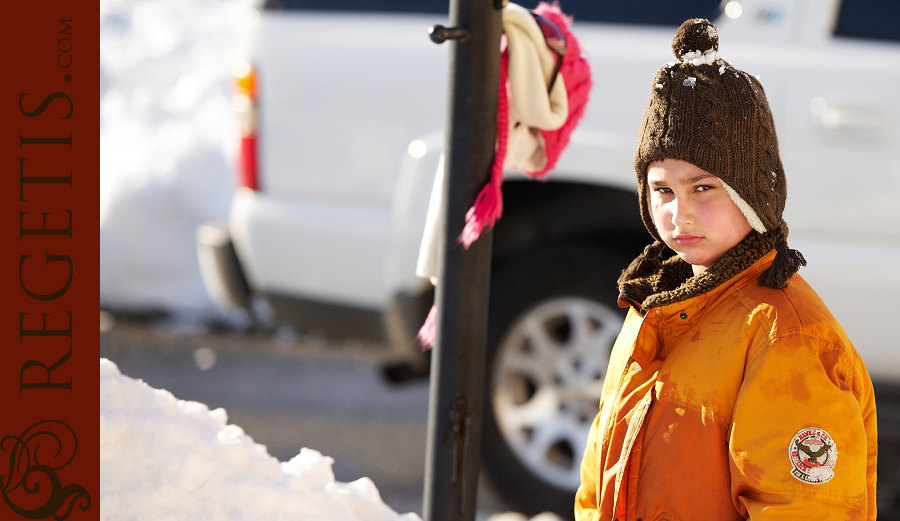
{"x": 802, "y": 443}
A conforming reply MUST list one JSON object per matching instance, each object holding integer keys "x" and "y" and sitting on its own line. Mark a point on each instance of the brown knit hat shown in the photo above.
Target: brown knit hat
{"x": 704, "y": 111}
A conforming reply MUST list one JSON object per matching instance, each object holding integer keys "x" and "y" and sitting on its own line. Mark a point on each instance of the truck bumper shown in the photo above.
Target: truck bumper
{"x": 220, "y": 267}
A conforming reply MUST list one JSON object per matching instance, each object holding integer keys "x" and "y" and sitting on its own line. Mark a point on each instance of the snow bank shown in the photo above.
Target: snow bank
{"x": 166, "y": 142}
{"x": 164, "y": 458}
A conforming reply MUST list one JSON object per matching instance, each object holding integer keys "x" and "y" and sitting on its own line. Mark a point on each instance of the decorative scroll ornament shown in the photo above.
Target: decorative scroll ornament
{"x": 31, "y": 486}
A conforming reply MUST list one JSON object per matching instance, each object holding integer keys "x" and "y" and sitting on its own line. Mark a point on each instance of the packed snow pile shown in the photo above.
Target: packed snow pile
{"x": 166, "y": 143}
{"x": 164, "y": 458}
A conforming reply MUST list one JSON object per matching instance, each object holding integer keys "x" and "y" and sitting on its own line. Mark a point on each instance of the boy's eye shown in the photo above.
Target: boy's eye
{"x": 662, "y": 190}
{"x": 703, "y": 188}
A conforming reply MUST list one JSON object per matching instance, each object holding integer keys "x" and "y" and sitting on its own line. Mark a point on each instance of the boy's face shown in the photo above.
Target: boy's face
{"x": 693, "y": 213}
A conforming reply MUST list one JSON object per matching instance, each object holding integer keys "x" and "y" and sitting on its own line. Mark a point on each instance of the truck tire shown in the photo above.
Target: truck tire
{"x": 553, "y": 320}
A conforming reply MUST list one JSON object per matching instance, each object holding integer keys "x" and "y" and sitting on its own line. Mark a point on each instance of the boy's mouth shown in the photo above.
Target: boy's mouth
{"x": 687, "y": 240}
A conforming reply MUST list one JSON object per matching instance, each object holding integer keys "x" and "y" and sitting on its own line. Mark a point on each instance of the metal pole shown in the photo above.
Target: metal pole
{"x": 457, "y": 372}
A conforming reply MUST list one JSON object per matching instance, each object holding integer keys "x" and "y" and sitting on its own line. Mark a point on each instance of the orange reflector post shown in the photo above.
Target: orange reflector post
{"x": 244, "y": 78}
{"x": 244, "y": 84}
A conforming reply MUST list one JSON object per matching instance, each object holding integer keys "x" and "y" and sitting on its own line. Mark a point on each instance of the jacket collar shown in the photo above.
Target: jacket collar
{"x": 674, "y": 281}
{"x": 678, "y": 316}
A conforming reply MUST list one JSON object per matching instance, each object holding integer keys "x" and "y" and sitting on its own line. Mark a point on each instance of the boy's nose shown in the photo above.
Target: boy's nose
{"x": 682, "y": 213}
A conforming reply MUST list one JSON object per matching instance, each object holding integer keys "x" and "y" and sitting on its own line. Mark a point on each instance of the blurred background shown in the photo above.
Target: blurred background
{"x": 265, "y": 171}
{"x": 169, "y": 141}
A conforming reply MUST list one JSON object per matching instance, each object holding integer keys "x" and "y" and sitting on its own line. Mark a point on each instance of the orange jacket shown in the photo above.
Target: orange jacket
{"x": 744, "y": 401}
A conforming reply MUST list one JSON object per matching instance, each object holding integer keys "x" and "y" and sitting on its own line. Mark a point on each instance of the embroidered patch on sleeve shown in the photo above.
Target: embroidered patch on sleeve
{"x": 813, "y": 454}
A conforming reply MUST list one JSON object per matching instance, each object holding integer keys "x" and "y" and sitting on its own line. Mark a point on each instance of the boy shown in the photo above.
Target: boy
{"x": 732, "y": 392}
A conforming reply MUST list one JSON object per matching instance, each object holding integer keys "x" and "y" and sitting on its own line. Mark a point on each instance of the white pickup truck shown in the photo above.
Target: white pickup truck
{"x": 342, "y": 105}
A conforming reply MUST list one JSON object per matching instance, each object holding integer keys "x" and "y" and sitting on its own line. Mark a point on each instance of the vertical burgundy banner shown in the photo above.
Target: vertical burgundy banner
{"x": 49, "y": 265}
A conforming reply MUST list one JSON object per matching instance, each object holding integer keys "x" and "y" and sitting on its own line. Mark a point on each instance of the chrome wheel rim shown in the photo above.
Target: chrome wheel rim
{"x": 547, "y": 380}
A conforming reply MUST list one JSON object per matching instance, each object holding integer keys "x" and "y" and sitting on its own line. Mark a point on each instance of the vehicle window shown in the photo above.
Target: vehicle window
{"x": 872, "y": 19}
{"x": 650, "y": 12}
{"x": 396, "y": 6}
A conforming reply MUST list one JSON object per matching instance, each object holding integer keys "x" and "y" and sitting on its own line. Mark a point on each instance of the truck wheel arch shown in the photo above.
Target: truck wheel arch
{"x": 553, "y": 212}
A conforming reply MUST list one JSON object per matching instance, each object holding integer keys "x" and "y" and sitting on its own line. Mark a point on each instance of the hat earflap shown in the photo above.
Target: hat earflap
{"x": 787, "y": 262}
{"x": 646, "y": 263}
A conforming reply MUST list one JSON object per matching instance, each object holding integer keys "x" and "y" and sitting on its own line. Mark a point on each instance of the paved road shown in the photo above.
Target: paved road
{"x": 292, "y": 392}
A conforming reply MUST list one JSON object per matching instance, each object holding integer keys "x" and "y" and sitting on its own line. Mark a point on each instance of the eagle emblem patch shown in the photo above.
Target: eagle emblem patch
{"x": 813, "y": 454}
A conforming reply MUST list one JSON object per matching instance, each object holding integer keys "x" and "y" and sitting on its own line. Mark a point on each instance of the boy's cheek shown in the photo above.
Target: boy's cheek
{"x": 659, "y": 216}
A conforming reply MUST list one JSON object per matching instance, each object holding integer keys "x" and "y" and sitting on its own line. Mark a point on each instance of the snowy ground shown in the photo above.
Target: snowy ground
{"x": 166, "y": 458}
{"x": 191, "y": 464}
{"x": 165, "y": 135}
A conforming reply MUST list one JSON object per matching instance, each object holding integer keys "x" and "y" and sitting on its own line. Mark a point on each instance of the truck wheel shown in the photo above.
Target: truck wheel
{"x": 553, "y": 320}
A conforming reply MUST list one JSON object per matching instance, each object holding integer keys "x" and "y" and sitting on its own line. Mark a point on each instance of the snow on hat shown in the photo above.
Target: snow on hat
{"x": 706, "y": 112}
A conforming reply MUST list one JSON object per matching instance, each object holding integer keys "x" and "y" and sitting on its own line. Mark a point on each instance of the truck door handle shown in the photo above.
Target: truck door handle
{"x": 850, "y": 120}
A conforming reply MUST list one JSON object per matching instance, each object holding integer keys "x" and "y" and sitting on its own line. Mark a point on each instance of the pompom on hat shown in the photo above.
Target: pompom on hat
{"x": 706, "y": 112}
